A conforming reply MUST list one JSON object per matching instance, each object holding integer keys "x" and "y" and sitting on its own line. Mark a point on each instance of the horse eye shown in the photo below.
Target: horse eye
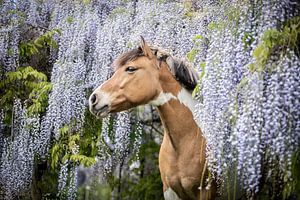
{"x": 130, "y": 69}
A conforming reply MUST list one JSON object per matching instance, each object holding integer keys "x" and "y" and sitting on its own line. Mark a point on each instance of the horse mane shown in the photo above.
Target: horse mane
{"x": 182, "y": 70}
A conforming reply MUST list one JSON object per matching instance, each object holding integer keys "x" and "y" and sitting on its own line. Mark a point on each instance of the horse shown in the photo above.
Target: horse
{"x": 148, "y": 75}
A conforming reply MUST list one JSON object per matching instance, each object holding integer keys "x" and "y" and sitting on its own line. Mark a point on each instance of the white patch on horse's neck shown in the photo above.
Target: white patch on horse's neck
{"x": 185, "y": 97}
{"x": 162, "y": 99}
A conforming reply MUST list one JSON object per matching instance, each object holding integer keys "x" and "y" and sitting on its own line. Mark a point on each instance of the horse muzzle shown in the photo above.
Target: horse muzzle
{"x": 99, "y": 104}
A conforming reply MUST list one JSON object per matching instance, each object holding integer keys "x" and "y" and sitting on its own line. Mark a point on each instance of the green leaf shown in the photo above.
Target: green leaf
{"x": 55, "y": 151}
{"x": 192, "y": 54}
{"x": 65, "y": 158}
{"x": 197, "y": 37}
{"x": 57, "y": 30}
{"x": 70, "y": 19}
{"x": 64, "y": 129}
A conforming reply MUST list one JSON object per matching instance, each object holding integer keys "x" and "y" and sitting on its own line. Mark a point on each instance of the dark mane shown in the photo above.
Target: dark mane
{"x": 183, "y": 72}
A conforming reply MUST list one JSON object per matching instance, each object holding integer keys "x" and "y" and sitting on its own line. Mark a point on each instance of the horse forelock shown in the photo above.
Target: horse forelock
{"x": 127, "y": 57}
{"x": 182, "y": 70}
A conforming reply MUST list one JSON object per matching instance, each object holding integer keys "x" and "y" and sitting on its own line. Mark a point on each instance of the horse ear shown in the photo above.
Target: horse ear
{"x": 145, "y": 48}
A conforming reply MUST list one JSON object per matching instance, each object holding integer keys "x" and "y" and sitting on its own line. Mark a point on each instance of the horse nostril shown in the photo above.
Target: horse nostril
{"x": 93, "y": 99}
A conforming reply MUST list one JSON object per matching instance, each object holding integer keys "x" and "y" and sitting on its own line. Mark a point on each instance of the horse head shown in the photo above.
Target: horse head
{"x": 138, "y": 78}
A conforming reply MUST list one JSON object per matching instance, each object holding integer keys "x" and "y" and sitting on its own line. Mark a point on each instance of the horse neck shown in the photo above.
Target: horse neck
{"x": 178, "y": 121}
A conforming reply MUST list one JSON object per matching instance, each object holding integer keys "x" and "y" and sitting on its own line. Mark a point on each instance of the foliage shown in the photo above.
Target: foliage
{"x": 295, "y": 184}
{"x": 73, "y": 147}
{"x": 48, "y": 181}
{"x": 197, "y": 40}
{"x": 292, "y": 187}
{"x": 94, "y": 191}
{"x": 142, "y": 182}
{"x": 247, "y": 40}
{"x": 118, "y": 11}
{"x": 274, "y": 40}
{"x": 189, "y": 10}
{"x": 26, "y": 84}
{"x": 30, "y": 48}
{"x": 89, "y": 140}
{"x": 148, "y": 186}
{"x": 77, "y": 146}
{"x": 197, "y": 89}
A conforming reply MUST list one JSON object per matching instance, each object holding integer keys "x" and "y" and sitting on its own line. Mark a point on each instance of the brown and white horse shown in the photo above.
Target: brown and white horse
{"x": 148, "y": 76}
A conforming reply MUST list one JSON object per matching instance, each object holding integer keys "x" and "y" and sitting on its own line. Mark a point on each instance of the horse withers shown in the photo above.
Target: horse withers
{"x": 150, "y": 76}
